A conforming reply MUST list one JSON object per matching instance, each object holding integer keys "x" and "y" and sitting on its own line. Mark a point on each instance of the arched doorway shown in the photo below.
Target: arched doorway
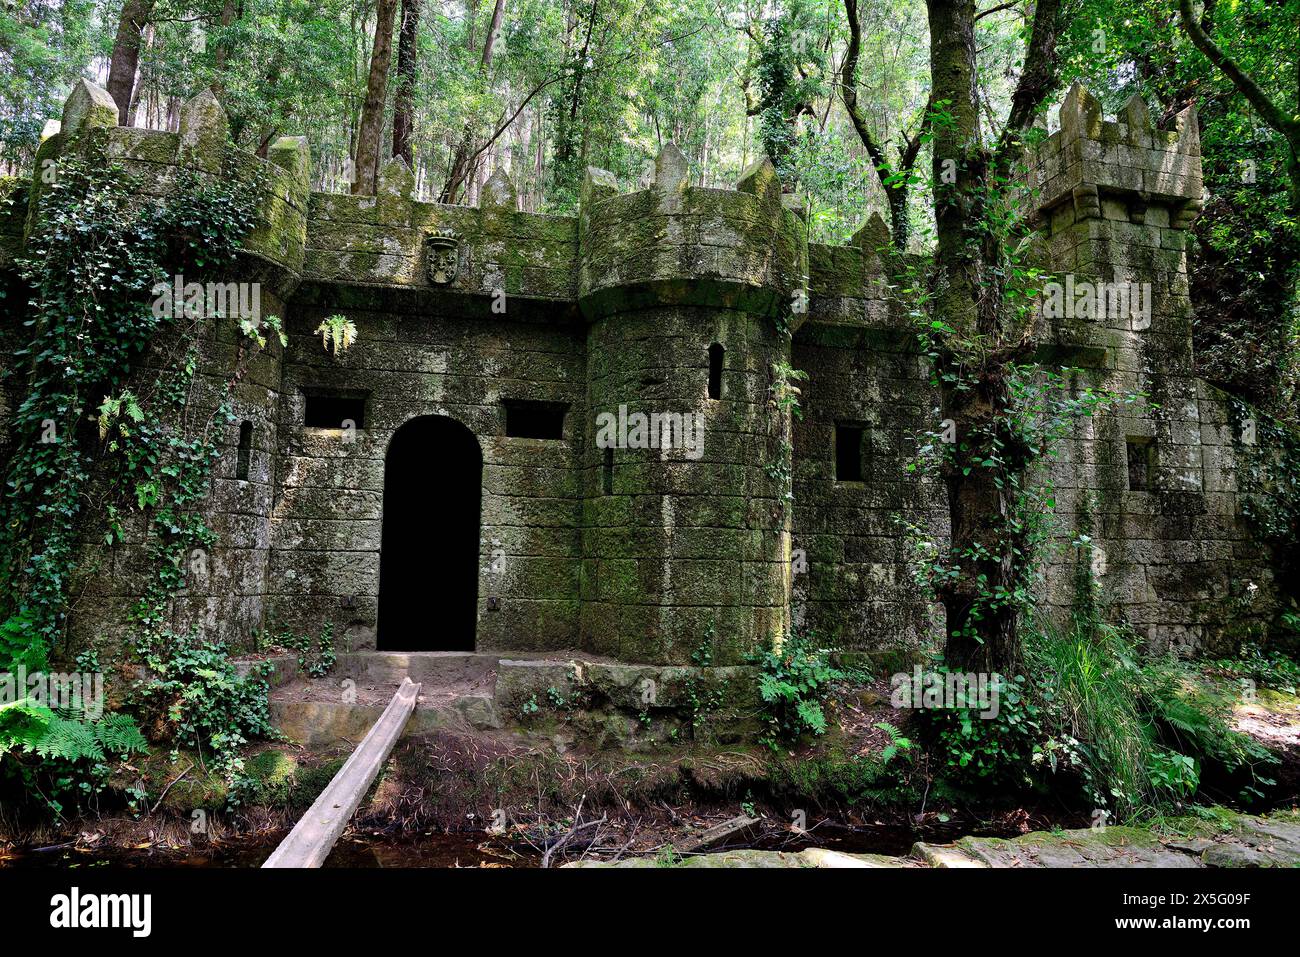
{"x": 428, "y": 560}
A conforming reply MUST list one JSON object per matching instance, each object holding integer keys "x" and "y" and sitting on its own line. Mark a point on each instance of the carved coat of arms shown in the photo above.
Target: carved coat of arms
{"x": 441, "y": 256}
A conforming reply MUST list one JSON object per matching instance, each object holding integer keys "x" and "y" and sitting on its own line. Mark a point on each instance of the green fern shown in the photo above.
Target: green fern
{"x": 70, "y": 740}
{"x": 21, "y": 644}
{"x": 119, "y": 734}
{"x": 22, "y": 725}
{"x": 337, "y": 331}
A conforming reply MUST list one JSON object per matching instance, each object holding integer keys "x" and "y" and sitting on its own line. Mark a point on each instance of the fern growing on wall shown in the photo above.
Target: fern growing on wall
{"x": 337, "y": 333}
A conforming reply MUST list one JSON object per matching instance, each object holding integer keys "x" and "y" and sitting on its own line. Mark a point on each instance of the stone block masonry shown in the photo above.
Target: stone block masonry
{"x": 686, "y": 303}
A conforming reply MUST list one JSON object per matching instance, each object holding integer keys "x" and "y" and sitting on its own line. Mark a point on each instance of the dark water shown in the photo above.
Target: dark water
{"x": 435, "y": 849}
{"x": 417, "y": 850}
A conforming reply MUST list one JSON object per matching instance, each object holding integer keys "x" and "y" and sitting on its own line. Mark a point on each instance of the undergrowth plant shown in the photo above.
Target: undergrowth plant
{"x": 794, "y": 681}
{"x": 1133, "y": 737}
{"x": 315, "y": 656}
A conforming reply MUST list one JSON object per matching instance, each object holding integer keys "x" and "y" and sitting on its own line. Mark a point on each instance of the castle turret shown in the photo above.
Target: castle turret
{"x": 690, "y": 294}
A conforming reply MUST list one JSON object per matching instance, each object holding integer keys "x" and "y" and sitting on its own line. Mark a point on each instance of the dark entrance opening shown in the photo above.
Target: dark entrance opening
{"x": 428, "y": 560}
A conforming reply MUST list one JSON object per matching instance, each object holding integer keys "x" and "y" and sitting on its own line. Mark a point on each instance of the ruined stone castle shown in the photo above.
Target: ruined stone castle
{"x": 443, "y": 484}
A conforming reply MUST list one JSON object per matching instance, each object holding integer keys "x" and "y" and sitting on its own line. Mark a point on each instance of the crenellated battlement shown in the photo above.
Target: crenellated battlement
{"x": 1091, "y": 159}
{"x": 665, "y": 242}
{"x": 201, "y": 145}
{"x": 673, "y": 243}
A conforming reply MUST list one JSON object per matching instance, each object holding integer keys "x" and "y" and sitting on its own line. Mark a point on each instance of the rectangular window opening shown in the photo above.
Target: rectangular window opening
{"x": 1141, "y": 463}
{"x": 535, "y": 420}
{"x": 607, "y": 473}
{"x": 334, "y": 411}
{"x": 848, "y": 453}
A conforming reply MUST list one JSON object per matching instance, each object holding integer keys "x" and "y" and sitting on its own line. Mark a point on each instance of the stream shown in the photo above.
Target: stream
{"x": 360, "y": 849}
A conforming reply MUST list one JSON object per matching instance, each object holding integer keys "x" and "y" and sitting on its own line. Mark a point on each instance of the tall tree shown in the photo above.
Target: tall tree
{"x": 895, "y": 178}
{"x": 125, "y": 59}
{"x": 979, "y": 338}
{"x": 404, "y": 94}
{"x": 370, "y": 129}
{"x": 231, "y": 10}
{"x": 464, "y": 156}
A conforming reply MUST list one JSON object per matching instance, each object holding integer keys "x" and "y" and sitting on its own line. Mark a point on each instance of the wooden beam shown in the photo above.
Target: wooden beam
{"x": 313, "y": 837}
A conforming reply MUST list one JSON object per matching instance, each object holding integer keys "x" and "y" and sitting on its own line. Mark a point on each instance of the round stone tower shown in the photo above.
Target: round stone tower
{"x": 691, "y": 295}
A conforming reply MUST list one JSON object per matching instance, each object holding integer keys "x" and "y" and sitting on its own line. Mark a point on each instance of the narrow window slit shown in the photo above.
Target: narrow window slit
{"x": 716, "y": 352}
{"x": 1141, "y": 463}
{"x": 245, "y": 455}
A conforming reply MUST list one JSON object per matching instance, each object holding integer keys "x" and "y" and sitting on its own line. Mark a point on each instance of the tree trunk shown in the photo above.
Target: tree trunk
{"x": 126, "y": 55}
{"x": 460, "y": 164}
{"x": 404, "y": 95}
{"x": 896, "y": 188}
{"x": 988, "y": 554}
{"x": 231, "y": 10}
{"x": 372, "y": 112}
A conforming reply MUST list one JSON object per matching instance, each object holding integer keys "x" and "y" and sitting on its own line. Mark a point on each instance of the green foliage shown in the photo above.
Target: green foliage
{"x": 793, "y": 683}
{"x": 17, "y": 649}
{"x": 899, "y": 745}
{"x": 1136, "y": 736}
{"x": 996, "y": 751}
{"x": 95, "y": 265}
{"x": 337, "y": 333}
{"x": 1191, "y": 717}
{"x": 1270, "y": 669}
{"x": 197, "y": 700}
{"x": 780, "y": 102}
{"x": 45, "y": 48}
{"x": 63, "y": 758}
{"x": 315, "y": 657}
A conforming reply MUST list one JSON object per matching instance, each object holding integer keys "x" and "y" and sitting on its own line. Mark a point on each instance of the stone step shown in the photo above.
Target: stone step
{"x": 434, "y": 669}
{"x": 430, "y": 668}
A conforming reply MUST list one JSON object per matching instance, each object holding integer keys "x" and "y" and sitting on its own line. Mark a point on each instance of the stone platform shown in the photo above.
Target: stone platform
{"x": 602, "y": 702}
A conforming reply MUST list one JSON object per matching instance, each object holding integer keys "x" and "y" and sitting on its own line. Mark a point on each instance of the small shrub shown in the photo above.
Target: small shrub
{"x": 793, "y": 684}
{"x": 195, "y": 699}
{"x": 991, "y": 751}
{"x": 315, "y": 658}
{"x": 1267, "y": 669}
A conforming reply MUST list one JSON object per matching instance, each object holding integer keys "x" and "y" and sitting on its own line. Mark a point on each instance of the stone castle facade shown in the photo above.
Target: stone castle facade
{"x": 523, "y": 333}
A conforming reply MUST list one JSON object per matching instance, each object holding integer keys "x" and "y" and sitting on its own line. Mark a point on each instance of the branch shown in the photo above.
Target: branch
{"x": 1268, "y": 111}
{"x": 849, "y": 91}
{"x": 1036, "y": 79}
{"x": 991, "y": 10}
